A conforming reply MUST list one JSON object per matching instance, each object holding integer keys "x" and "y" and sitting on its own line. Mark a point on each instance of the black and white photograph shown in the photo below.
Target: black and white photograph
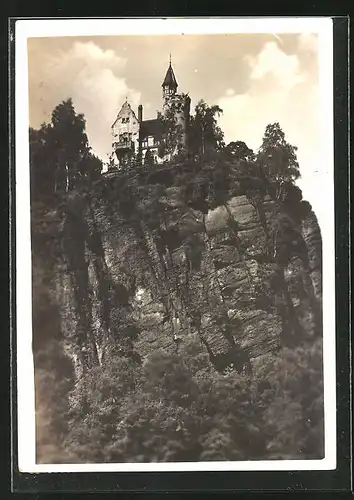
{"x": 175, "y": 245}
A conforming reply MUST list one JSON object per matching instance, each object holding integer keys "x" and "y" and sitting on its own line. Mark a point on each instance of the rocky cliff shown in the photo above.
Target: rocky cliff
{"x": 126, "y": 271}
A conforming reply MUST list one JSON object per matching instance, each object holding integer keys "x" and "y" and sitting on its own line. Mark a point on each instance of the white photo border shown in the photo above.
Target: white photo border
{"x": 25, "y": 29}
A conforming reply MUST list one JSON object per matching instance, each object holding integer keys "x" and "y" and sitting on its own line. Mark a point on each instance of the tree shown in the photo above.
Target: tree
{"x": 111, "y": 164}
{"x": 89, "y": 168}
{"x": 171, "y": 131}
{"x": 290, "y": 394}
{"x": 70, "y": 143}
{"x": 163, "y": 411}
{"x": 240, "y": 156}
{"x": 277, "y": 160}
{"x": 149, "y": 158}
{"x": 41, "y": 160}
{"x": 53, "y": 381}
{"x": 205, "y": 136}
{"x": 60, "y": 155}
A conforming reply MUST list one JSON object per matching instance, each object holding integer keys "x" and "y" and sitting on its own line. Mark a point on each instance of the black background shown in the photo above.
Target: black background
{"x": 202, "y": 483}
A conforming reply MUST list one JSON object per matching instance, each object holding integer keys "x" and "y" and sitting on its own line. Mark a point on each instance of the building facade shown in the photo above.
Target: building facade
{"x": 133, "y": 137}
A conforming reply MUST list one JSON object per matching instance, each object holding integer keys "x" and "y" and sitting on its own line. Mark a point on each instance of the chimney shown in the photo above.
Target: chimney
{"x": 140, "y": 120}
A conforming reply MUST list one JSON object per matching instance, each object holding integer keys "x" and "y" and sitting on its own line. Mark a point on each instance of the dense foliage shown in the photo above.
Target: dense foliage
{"x": 60, "y": 156}
{"x": 176, "y": 408}
{"x": 222, "y": 360}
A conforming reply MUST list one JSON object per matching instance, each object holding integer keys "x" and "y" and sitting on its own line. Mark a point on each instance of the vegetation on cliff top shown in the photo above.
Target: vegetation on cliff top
{"x": 207, "y": 400}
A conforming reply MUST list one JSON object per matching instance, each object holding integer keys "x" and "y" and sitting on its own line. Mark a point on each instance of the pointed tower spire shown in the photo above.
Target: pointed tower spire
{"x": 169, "y": 84}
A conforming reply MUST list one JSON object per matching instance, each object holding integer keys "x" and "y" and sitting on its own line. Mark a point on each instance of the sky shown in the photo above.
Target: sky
{"x": 256, "y": 79}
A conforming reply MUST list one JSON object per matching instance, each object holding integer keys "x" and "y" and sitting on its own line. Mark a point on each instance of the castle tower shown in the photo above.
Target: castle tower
{"x": 169, "y": 85}
{"x": 177, "y": 104}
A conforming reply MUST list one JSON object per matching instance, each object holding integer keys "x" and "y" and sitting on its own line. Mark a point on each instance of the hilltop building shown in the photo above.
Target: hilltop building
{"x": 133, "y": 136}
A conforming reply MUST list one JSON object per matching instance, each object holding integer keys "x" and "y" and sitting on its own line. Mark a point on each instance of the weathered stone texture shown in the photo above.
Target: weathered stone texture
{"x": 134, "y": 278}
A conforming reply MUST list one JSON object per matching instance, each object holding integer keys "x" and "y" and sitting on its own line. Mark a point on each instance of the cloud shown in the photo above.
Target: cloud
{"x": 272, "y": 61}
{"x": 308, "y": 42}
{"x": 281, "y": 89}
{"x": 93, "y": 78}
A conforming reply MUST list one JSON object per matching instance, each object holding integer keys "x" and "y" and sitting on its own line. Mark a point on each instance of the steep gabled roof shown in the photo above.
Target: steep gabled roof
{"x": 126, "y": 108}
{"x": 170, "y": 79}
{"x": 150, "y": 127}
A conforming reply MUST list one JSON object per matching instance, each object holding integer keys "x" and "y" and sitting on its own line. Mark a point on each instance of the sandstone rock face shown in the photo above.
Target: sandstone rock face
{"x": 312, "y": 236}
{"x": 122, "y": 284}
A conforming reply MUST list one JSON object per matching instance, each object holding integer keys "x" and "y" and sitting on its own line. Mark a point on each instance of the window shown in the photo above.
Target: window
{"x": 144, "y": 143}
{"x": 125, "y": 120}
{"x": 123, "y": 138}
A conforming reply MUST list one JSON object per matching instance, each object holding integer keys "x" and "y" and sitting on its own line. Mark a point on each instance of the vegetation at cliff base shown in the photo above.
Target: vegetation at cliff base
{"x": 176, "y": 307}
